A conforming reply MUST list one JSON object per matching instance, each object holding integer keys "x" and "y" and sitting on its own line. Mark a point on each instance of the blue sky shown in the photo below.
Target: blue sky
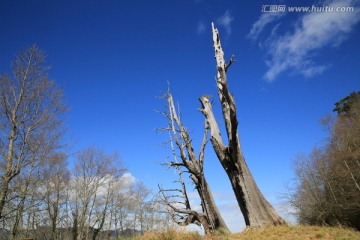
{"x": 113, "y": 58}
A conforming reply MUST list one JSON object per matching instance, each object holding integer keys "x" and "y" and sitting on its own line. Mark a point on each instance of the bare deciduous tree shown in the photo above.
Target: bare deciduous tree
{"x": 327, "y": 187}
{"x": 30, "y": 106}
{"x": 95, "y": 182}
{"x": 257, "y": 211}
{"x": 56, "y": 178}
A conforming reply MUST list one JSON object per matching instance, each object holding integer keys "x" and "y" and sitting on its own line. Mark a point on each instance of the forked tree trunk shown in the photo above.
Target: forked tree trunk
{"x": 257, "y": 211}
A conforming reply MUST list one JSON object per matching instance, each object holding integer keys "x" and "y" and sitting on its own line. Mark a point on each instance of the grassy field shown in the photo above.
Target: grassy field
{"x": 269, "y": 233}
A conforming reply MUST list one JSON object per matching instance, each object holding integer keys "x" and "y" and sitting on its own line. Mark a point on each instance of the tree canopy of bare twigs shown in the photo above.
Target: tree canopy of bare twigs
{"x": 327, "y": 182}
{"x": 31, "y": 106}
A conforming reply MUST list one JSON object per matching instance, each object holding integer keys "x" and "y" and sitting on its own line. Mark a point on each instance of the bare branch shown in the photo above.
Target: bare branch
{"x": 232, "y": 59}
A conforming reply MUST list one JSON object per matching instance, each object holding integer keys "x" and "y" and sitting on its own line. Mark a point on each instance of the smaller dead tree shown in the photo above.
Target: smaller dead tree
{"x": 194, "y": 165}
{"x": 179, "y": 208}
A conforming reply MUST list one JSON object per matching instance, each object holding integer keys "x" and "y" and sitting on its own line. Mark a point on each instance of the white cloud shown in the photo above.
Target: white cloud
{"x": 296, "y": 49}
{"x": 261, "y": 23}
{"x": 232, "y": 216}
{"x": 311, "y": 71}
{"x": 128, "y": 179}
{"x": 230, "y": 210}
{"x": 287, "y": 211}
{"x": 225, "y": 21}
{"x": 200, "y": 27}
{"x": 101, "y": 184}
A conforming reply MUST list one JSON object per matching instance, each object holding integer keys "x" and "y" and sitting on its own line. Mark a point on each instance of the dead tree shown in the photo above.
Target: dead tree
{"x": 179, "y": 208}
{"x": 193, "y": 164}
{"x": 257, "y": 211}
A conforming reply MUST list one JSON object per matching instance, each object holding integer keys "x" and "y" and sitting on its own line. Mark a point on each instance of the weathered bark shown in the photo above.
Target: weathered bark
{"x": 256, "y": 210}
{"x": 194, "y": 165}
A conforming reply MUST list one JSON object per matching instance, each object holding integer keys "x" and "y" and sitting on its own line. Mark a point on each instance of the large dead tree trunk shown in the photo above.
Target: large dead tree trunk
{"x": 256, "y": 209}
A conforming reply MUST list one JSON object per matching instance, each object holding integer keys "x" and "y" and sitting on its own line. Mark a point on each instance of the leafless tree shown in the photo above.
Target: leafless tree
{"x": 257, "y": 211}
{"x": 24, "y": 197}
{"x": 37, "y": 195}
{"x": 139, "y": 195}
{"x": 326, "y": 190}
{"x": 96, "y": 176}
{"x": 30, "y": 118}
{"x": 193, "y": 164}
{"x": 157, "y": 218}
{"x": 121, "y": 210}
{"x": 56, "y": 178}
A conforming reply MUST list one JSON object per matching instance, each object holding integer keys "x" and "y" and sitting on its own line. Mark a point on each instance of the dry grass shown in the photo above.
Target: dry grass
{"x": 297, "y": 233}
{"x": 269, "y": 233}
{"x": 169, "y": 235}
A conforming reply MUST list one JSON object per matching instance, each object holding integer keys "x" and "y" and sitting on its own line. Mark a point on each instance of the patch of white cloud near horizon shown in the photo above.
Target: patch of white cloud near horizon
{"x": 125, "y": 182}
{"x": 313, "y": 31}
{"x": 225, "y": 21}
{"x": 286, "y": 211}
{"x": 228, "y": 208}
{"x": 232, "y": 216}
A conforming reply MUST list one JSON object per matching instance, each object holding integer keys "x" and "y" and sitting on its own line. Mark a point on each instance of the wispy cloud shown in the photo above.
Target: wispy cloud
{"x": 260, "y": 24}
{"x": 200, "y": 27}
{"x": 225, "y": 21}
{"x": 295, "y": 50}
